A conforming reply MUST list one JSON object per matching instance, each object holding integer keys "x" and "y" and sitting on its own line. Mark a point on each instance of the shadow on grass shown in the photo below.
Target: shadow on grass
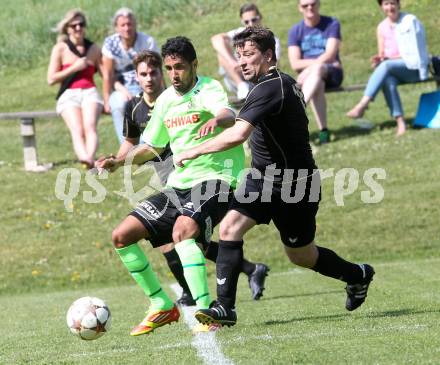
{"x": 391, "y": 124}
{"x": 348, "y": 131}
{"x": 385, "y": 314}
{"x": 401, "y": 312}
{"x": 309, "y": 318}
{"x": 388, "y": 124}
{"x": 70, "y": 163}
{"x": 293, "y": 296}
{"x": 360, "y": 128}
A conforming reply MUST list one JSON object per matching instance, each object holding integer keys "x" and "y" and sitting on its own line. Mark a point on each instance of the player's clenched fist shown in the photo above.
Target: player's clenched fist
{"x": 106, "y": 163}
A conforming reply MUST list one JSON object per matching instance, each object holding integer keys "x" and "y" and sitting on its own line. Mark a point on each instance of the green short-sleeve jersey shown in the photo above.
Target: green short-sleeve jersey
{"x": 176, "y": 120}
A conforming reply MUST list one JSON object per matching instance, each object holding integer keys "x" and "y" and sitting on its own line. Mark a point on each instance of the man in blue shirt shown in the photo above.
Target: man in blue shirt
{"x": 313, "y": 46}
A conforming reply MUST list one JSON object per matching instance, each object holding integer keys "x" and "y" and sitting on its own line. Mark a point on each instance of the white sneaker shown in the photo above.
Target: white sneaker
{"x": 242, "y": 90}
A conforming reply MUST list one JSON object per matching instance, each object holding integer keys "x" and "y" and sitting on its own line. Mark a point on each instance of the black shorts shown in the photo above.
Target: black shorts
{"x": 206, "y": 203}
{"x": 295, "y": 221}
{"x": 334, "y": 77}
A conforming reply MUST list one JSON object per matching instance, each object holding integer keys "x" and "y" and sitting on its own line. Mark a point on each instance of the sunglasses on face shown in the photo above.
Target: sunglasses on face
{"x": 252, "y": 20}
{"x": 304, "y": 6}
{"x": 80, "y": 24}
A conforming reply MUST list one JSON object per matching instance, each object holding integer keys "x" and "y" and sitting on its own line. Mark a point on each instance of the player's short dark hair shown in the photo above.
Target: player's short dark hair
{"x": 179, "y": 46}
{"x": 381, "y": 1}
{"x": 249, "y": 7}
{"x": 263, "y": 38}
{"x": 151, "y": 58}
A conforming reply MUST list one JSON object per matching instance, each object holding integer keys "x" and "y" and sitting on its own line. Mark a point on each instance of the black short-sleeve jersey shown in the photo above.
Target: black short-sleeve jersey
{"x": 136, "y": 118}
{"x": 137, "y": 115}
{"x": 275, "y": 107}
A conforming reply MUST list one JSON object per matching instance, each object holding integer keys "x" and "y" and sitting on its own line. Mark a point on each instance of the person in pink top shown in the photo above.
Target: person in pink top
{"x": 73, "y": 62}
{"x": 402, "y": 58}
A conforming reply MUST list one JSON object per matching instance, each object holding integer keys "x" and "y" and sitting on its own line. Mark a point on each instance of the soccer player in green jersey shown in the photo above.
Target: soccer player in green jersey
{"x": 197, "y": 196}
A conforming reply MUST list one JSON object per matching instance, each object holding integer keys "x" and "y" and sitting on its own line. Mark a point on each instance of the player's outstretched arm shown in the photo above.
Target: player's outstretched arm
{"x": 107, "y": 162}
{"x": 224, "y": 119}
{"x": 229, "y": 138}
{"x": 138, "y": 155}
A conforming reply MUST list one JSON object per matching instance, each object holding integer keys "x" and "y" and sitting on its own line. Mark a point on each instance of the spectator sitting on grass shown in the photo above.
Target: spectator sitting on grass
{"x": 402, "y": 57}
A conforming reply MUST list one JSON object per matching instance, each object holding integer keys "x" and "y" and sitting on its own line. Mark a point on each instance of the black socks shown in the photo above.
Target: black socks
{"x": 176, "y": 268}
{"x": 248, "y": 267}
{"x": 212, "y": 252}
{"x": 330, "y": 264}
{"x": 229, "y": 264}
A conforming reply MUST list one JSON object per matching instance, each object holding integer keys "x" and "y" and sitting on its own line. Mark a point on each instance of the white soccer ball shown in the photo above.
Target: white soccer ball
{"x": 88, "y": 318}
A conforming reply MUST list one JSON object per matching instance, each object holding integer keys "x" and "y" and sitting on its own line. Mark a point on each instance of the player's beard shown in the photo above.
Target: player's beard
{"x": 188, "y": 84}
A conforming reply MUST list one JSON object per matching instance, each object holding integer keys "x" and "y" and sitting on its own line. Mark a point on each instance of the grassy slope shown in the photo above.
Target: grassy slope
{"x": 44, "y": 248}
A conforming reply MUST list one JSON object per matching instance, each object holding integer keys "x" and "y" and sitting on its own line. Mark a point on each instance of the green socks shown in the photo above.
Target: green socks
{"x": 194, "y": 270}
{"x": 137, "y": 264}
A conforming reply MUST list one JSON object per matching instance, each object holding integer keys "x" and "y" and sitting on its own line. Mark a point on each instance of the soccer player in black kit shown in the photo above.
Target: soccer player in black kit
{"x": 283, "y": 185}
{"x": 148, "y": 66}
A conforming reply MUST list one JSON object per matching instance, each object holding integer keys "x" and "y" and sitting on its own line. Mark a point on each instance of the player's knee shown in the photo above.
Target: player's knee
{"x": 183, "y": 231}
{"x": 227, "y": 231}
{"x": 119, "y": 238}
{"x": 298, "y": 260}
{"x": 303, "y": 261}
{"x": 305, "y": 256}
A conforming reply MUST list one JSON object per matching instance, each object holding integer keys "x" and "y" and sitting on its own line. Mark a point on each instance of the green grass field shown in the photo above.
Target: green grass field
{"x": 50, "y": 257}
{"x": 300, "y": 320}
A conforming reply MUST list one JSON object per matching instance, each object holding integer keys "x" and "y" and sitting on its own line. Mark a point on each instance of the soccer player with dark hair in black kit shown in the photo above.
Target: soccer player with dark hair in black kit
{"x": 283, "y": 186}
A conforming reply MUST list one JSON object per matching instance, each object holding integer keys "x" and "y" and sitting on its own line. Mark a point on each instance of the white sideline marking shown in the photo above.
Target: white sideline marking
{"x": 208, "y": 349}
{"x": 172, "y": 346}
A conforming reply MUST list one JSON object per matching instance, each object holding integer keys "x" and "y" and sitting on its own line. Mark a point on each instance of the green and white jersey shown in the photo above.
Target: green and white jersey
{"x": 176, "y": 120}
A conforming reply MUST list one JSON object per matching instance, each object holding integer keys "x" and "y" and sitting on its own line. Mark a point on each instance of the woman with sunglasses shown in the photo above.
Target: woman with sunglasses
{"x": 313, "y": 46}
{"x": 73, "y": 62}
{"x": 402, "y": 57}
{"x": 222, "y": 43}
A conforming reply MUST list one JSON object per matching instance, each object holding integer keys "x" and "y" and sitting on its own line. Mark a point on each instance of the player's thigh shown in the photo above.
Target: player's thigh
{"x": 248, "y": 201}
{"x": 234, "y": 226}
{"x": 207, "y": 203}
{"x": 158, "y": 214}
{"x": 296, "y": 222}
{"x": 129, "y": 231}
